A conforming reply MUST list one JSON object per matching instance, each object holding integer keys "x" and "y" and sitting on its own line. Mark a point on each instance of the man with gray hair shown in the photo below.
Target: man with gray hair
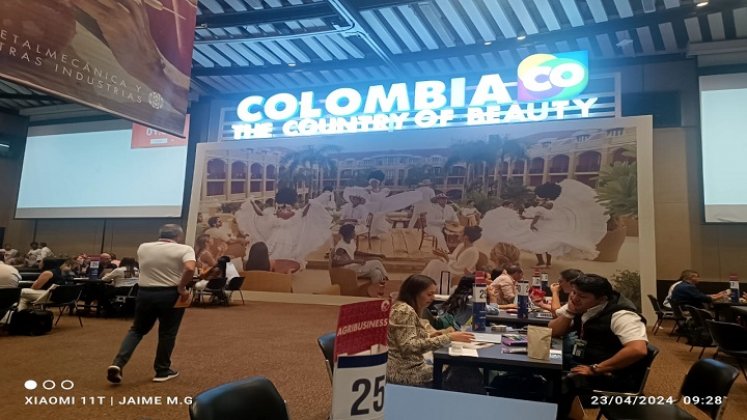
{"x": 166, "y": 267}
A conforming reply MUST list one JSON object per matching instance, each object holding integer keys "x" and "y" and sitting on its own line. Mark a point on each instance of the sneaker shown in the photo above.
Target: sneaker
{"x": 114, "y": 374}
{"x": 165, "y": 376}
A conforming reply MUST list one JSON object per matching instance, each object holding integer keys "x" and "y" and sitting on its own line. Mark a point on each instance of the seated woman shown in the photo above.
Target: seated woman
{"x": 122, "y": 279}
{"x": 258, "y": 258}
{"x": 457, "y": 309}
{"x": 560, "y": 290}
{"x": 52, "y": 275}
{"x": 409, "y": 337}
{"x": 205, "y": 257}
{"x": 462, "y": 261}
{"x": 224, "y": 268}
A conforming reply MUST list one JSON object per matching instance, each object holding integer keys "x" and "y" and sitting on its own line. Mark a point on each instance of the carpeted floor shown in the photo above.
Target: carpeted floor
{"x": 217, "y": 345}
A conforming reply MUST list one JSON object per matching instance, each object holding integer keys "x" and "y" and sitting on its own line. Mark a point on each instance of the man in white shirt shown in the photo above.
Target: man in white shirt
{"x": 438, "y": 215}
{"x": 45, "y": 252}
{"x": 166, "y": 267}
{"x": 9, "y": 276}
{"x": 610, "y": 351}
{"x": 33, "y": 256}
{"x": 346, "y": 255}
{"x": 355, "y": 213}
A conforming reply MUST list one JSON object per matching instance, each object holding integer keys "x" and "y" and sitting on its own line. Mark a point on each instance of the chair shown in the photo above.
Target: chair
{"x": 125, "y": 303}
{"x": 680, "y": 322}
{"x": 216, "y": 288}
{"x": 423, "y": 234}
{"x": 267, "y": 281}
{"x": 661, "y": 314}
{"x": 8, "y": 297}
{"x": 348, "y": 281}
{"x": 327, "y": 344}
{"x": 731, "y": 339}
{"x": 234, "y": 285}
{"x": 367, "y": 233}
{"x": 709, "y": 380}
{"x": 647, "y": 362}
{"x": 64, "y": 297}
{"x": 701, "y": 334}
{"x": 254, "y": 398}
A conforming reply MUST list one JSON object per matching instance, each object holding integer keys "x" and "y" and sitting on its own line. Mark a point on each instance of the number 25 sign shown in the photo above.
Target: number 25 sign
{"x": 360, "y": 361}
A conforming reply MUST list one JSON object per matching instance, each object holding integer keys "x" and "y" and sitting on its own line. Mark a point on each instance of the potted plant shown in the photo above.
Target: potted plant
{"x": 617, "y": 191}
{"x": 628, "y": 284}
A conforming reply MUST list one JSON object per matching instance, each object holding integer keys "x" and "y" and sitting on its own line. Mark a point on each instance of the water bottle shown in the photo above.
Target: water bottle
{"x": 734, "y": 286}
{"x": 479, "y": 302}
{"x": 523, "y": 299}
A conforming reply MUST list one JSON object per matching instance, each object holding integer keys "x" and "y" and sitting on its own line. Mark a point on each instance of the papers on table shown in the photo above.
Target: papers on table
{"x": 488, "y": 338}
{"x": 464, "y": 351}
{"x": 556, "y": 354}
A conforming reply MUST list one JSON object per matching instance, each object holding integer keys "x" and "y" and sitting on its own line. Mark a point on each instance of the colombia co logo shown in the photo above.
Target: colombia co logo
{"x": 544, "y": 77}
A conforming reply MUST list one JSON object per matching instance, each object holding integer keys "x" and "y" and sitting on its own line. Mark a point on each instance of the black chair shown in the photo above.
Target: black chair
{"x": 680, "y": 322}
{"x": 700, "y": 335}
{"x": 642, "y": 379}
{"x": 8, "y": 297}
{"x": 254, "y": 398}
{"x": 215, "y": 288}
{"x": 731, "y": 339}
{"x": 123, "y": 301}
{"x": 64, "y": 297}
{"x": 661, "y": 314}
{"x": 234, "y": 285}
{"x": 327, "y": 344}
{"x": 706, "y": 386}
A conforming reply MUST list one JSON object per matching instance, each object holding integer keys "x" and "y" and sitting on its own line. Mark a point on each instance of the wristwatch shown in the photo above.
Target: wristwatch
{"x": 594, "y": 367}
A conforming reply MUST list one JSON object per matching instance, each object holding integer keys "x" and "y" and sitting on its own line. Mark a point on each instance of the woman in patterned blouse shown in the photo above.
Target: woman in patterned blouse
{"x": 410, "y": 337}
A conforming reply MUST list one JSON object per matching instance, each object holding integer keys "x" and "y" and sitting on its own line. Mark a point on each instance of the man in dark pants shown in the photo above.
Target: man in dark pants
{"x": 166, "y": 267}
{"x": 611, "y": 344}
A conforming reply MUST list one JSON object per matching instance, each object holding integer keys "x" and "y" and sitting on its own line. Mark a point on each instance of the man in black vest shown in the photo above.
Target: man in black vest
{"x": 611, "y": 340}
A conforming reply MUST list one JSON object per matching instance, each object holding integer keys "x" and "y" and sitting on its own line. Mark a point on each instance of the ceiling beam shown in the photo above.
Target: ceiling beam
{"x": 32, "y": 97}
{"x": 317, "y": 10}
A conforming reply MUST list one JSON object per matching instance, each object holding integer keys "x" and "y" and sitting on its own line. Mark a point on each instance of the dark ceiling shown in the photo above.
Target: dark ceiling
{"x": 246, "y": 46}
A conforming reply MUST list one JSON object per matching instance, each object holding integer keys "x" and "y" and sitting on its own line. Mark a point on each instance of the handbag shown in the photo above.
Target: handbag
{"x": 30, "y": 322}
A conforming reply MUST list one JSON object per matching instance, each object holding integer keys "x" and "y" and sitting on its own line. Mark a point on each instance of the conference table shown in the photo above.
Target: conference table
{"x": 740, "y": 311}
{"x": 412, "y": 403}
{"x": 722, "y": 310}
{"x": 494, "y": 358}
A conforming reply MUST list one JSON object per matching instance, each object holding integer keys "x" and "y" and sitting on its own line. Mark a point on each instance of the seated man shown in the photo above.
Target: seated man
{"x": 40, "y": 289}
{"x": 355, "y": 212}
{"x": 437, "y": 216}
{"x": 345, "y": 255}
{"x": 504, "y": 286}
{"x": 9, "y": 254}
{"x": 9, "y": 276}
{"x": 611, "y": 340}
{"x": 687, "y": 293}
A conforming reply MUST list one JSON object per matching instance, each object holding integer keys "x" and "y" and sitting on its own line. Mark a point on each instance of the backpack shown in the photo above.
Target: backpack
{"x": 31, "y": 322}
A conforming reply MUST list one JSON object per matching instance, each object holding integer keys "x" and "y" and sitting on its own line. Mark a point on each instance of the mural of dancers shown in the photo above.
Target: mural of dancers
{"x": 290, "y": 233}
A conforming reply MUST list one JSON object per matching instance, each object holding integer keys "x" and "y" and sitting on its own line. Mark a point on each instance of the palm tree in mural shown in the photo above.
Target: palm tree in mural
{"x": 505, "y": 151}
{"x": 477, "y": 156}
{"x": 309, "y": 165}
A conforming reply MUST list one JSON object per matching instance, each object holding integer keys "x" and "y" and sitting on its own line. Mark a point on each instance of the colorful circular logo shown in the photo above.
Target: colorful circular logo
{"x": 545, "y": 77}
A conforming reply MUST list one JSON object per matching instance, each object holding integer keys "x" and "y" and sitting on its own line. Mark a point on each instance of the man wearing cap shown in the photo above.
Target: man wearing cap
{"x": 437, "y": 216}
{"x": 354, "y": 211}
{"x": 424, "y": 204}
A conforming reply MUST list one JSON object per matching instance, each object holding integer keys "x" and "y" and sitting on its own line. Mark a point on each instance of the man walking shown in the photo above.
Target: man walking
{"x": 166, "y": 267}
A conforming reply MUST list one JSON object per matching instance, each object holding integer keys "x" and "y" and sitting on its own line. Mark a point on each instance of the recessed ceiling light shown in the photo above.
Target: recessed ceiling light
{"x": 291, "y": 64}
{"x": 521, "y": 36}
{"x": 488, "y": 43}
{"x": 701, "y": 3}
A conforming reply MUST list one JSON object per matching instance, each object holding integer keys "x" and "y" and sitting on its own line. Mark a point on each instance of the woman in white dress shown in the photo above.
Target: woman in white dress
{"x": 290, "y": 233}
{"x": 463, "y": 260}
{"x": 379, "y": 203}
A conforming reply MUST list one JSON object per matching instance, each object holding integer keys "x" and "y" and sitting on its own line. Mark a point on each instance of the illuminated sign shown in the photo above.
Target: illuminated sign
{"x": 544, "y": 77}
{"x": 548, "y": 87}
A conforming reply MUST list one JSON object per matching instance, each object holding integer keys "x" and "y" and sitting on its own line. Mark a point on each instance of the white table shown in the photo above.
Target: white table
{"x": 405, "y": 402}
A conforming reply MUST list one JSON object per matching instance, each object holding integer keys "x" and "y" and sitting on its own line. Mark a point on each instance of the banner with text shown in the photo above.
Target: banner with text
{"x": 360, "y": 361}
{"x": 128, "y": 58}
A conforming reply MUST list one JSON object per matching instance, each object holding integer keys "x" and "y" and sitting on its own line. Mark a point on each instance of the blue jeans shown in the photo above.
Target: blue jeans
{"x": 153, "y": 304}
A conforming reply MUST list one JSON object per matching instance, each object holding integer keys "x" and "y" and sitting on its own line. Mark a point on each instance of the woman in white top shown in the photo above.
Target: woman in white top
{"x": 462, "y": 261}
{"x": 125, "y": 275}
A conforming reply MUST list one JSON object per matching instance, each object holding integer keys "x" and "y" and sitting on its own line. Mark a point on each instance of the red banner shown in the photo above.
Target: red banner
{"x": 362, "y": 327}
{"x": 130, "y": 58}
{"x": 145, "y": 137}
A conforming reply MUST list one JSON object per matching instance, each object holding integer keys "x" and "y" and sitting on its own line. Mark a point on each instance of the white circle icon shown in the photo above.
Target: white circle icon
{"x": 67, "y": 385}
{"x": 48, "y": 384}
{"x": 30, "y": 384}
